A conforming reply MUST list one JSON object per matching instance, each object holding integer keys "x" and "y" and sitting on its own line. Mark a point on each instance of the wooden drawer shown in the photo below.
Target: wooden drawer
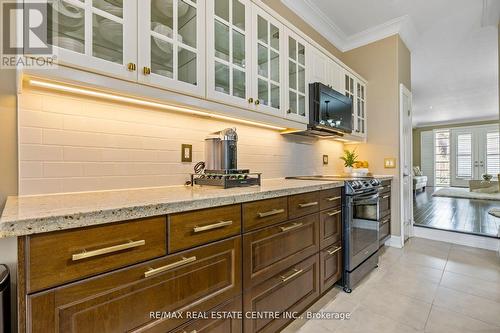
{"x": 263, "y": 213}
{"x": 330, "y": 198}
{"x": 330, "y": 227}
{"x": 385, "y": 228}
{"x": 59, "y": 257}
{"x": 214, "y": 324}
{"x": 291, "y": 290}
{"x": 330, "y": 266}
{"x": 268, "y": 251}
{"x": 187, "y": 230}
{"x": 385, "y": 204}
{"x": 303, "y": 204}
{"x": 121, "y": 301}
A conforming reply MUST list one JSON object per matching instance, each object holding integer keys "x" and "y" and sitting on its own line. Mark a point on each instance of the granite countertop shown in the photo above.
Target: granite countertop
{"x": 26, "y": 215}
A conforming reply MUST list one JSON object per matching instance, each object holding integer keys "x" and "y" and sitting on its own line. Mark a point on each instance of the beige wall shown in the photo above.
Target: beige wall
{"x": 293, "y": 18}
{"x": 384, "y": 64}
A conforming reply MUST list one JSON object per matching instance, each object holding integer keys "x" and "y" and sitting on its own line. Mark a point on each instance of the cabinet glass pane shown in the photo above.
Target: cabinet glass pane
{"x": 275, "y": 96}
{"x": 262, "y": 33}
{"x": 114, "y": 7}
{"x": 292, "y": 75}
{"x": 239, "y": 85}
{"x": 221, "y": 78}
{"x": 263, "y": 61}
{"x": 292, "y": 48}
{"x": 187, "y": 66}
{"x": 263, "y": 92}
{"x": 107, "y": 39}
{"x": 275, "y": 66}
{"x": 362, "y": 109}
{"x": 302, "y": 80}
{"x": 275, "y": 37}
{"x": 162, "y": 17}
{"x": 302, "y": 54}
{"x": 292, "y": 102}
{"x": 238, "y": 14}
{"x": 187, "y": 23}
{"x": 66, "y": 26}
{"x": 222, "y": 9}
{"x": 302, "y": 105}
{"x": 162, "y": 62}
{"x": 221, "y": 41}
{"x": 238, "y": 49}
{"x": 347, "y": 83}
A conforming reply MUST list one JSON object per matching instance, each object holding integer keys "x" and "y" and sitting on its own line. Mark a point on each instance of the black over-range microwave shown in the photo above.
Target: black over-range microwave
{"x": 329, "y": 111}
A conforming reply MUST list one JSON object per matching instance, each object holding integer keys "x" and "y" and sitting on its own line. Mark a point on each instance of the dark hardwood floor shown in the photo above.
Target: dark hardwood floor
{"x": 454, "y": 214}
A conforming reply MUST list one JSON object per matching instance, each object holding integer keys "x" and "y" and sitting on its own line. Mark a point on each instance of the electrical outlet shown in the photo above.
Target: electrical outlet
{"x": 390, "y": 163}
{"x": 186, "y": 153}
{"x": 325, "y": 159}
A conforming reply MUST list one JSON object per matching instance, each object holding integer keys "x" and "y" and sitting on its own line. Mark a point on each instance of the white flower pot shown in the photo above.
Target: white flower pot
{"x": 347, "y": 169}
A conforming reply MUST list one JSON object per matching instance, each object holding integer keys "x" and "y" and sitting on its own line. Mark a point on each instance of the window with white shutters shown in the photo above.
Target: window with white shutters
{"x": 442, "y": 158}
{"x": 464, "y": 155}
{"x": 493, "y": 153}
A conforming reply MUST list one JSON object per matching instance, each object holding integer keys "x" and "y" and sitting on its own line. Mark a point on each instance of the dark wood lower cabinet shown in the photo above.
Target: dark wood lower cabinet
{"x": 330, "y": 229}
{"x": 292, "y": 290}
{"x": 122, "y": 301}
{"x": 331, "y": 266}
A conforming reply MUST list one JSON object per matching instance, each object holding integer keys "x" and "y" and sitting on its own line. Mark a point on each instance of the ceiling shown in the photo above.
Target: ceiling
{"x": 454, "y": 45}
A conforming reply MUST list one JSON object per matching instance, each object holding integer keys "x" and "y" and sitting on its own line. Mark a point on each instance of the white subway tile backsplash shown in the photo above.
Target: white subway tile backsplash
{"x": 70, "y": 143}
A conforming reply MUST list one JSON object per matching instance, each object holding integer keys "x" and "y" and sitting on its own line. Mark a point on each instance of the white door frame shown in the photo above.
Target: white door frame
{"x": 402, "y": 114}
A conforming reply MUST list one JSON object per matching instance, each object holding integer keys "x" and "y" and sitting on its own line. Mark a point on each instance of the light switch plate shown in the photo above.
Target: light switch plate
{"x": 186, "y": 153}
{"x": 325, "y": 159}
{"x": 390, "y": 163}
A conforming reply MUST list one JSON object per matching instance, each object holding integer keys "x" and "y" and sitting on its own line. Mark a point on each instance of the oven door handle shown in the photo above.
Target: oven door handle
{"x": 364, "y": 198}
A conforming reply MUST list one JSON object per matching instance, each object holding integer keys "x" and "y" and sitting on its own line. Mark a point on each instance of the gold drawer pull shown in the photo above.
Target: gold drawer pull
{"x": 193, "y": 331}
{"x": 89, "y": 254}
{"x": 385, "y": 196}
{"x": 309, "y": 204}
{"x": 332, "y": 252}
{"x": 271, "y": 212}
{"x": 291, "y": 227}
{"x": 182, "y": 262}
{"x": 334, "y": 213}
{"x": 384, "y": 221}
{"x": 333, "y": 198}
{"x": 291, "y": 276}
{"x": 217, "y": 225}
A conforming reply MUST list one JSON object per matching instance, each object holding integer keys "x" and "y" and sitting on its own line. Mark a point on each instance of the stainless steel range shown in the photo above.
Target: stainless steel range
{"x": 360, "y": 224}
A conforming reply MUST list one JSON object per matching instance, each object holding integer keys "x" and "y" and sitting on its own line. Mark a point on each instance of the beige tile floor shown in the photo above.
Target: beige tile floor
{"x": 428, "y": 286}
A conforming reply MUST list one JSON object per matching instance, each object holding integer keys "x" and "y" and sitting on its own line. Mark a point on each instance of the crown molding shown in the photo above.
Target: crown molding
{"x": 456, "y": 122}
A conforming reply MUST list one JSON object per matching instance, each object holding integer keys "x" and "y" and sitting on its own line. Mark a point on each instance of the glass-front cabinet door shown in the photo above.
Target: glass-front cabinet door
{"x": 97, "y": 35}
{"x": 171, "y": 44}
{"x": 267, "y": 65}
{"x": 349, "y": 91}
{"x": 228, "y": 51}
{"x": 297, "y": 94}
{"x": 360, "y": 106}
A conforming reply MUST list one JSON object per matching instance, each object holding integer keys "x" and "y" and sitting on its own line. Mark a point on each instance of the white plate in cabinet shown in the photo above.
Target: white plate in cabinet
{"x": 229, "y": 34}
{"x": 98, "y": 36}
{"x": 172, "y": 45}
{"x": 297, "y": 81}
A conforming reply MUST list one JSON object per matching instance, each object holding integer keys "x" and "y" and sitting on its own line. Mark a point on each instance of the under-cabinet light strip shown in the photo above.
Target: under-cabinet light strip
{"x": 137, "y": 101}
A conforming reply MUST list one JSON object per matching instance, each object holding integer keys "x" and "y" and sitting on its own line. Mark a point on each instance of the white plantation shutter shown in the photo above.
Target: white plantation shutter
{"x": 464, "y": 155}
{"x": 442, "y": 158}
{"x": 493, "y": 153}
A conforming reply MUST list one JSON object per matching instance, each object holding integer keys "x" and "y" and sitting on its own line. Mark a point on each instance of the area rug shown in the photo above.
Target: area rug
{"x": 456, "y": 192}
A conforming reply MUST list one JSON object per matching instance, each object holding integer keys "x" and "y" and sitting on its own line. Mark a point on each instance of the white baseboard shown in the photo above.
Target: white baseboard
{"x": 458, "y": 238}
{"x": 394, "y": 241}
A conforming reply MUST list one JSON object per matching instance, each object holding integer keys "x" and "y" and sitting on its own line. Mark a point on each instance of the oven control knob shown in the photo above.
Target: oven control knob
{"x": 356, "y": 185}
{"x": 374, "y": 182}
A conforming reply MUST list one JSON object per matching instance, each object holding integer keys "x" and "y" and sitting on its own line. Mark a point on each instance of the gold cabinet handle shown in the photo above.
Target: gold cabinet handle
{"x": 334, "y": 213}
{"x": 291, "y": 276}
{"x": 335, "y": 250}
{"x": 89, "y": 254}
{"x": 309, "y": 204}
{"x": 250, "y": 100}
{"x": 217, "y": 225}
{"x": 146, "y": 70}
{"x": 271, "y": 212}
{"x": 384, "y": 221}
{"x": 193, "y": 331}
{"x": 131, "y": 66}
{"x": 257, "y": 101}
{"x": 182, "y": 262}
{"x": 333, "y": 198}
{"x": 385, "y": 196}
{"x": 291, "y": 227}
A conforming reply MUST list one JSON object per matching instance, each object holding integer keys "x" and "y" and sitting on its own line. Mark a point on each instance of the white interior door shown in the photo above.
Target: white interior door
{"x": 406, "y": 162}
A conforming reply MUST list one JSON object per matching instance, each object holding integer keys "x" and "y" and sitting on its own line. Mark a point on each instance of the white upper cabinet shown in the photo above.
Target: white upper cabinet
{"x": 318, "y": 67}
{"x": 96, "y": 35}
{"x": 336, "y": 80}
{"x": 171, "y": 44}
{"x": 297, "y": 81}
{"x": 229, "y": 33}
{"x": 356, "y": 91}
{"x": 267, "y": 63}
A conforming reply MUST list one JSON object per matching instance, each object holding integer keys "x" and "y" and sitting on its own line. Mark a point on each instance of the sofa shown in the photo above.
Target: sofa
{"x": 419, "y": 180}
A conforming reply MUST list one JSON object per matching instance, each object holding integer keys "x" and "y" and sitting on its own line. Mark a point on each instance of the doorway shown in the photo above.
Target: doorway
{"x": 406, "y": 158}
